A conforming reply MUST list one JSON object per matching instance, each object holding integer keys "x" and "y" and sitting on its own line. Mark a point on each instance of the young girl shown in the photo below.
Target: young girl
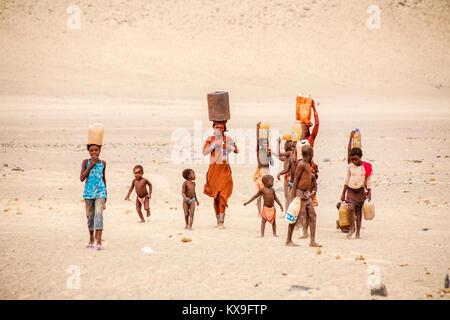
{"x": 219, "y": 181}
{"x": 95, "y": 195}
{"x": 189, "y": 197}
{"x": 358, "y": 180}
{"x": 268, "y": 212}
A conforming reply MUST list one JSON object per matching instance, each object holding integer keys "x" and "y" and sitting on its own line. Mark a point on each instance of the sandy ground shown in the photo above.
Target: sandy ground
{"x": 143, "y": 69}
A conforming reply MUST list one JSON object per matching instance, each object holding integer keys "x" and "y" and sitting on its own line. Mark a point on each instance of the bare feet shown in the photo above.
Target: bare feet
{"x": 186, "y": 227}
{"x": 314, "y": 244}
{"x": 350, "y": 233}
{"x": 291, "y": 244}
{"x": 141, "y": 221}
{"x": 305, "y": 236}
{"x": 358, "y": 236}
{"x": 275, "y": 235}
{"x": 260, "y": 236}
{"x": 221, "y": 226}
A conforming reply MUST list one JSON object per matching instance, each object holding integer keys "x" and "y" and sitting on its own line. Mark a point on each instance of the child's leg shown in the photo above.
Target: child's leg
{"x": 289, "y": 235}
{"x": 351, "y": 219}
{"x": 147, "y": 206}
{"x": 358, "y": 221}
{"x": 139, "y": 211}
{"x": 222, "y": 209}
{"x": 286, "y": 190}
{"x": 303, "y": 220}
{"x": 98, "y": 220}
{"x": 263, "y": 226}
{"x": 191, "y": 214}
{"x": 217, "y": 209}
{"x": 186, "y": 213}
{"x": 90, "y": 213}
{"x": 274, "y": 228}
{"x": 312, "y": 225}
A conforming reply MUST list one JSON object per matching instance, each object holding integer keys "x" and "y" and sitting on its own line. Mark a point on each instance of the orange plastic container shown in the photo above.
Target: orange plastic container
{"x": 95, "y": 134}
{"x": 343, "y": 215}
{"x": 303, "y": 109}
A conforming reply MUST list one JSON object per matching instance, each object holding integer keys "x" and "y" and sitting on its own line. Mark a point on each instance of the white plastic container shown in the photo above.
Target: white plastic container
{"x": 95, "y": 134}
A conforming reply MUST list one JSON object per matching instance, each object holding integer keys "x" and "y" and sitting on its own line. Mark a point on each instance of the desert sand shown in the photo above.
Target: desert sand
{"x": 144, "y": 68}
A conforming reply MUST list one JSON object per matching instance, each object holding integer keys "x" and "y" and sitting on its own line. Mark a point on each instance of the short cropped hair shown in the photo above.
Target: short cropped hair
{"x": 265, "y": 179}
{"x": 306, "y": 150}
{"x": 186, "y": 173}
{"x": 138, "y": 167}
{"x": 92, "y": 144}
{"x": 356, "y": 152}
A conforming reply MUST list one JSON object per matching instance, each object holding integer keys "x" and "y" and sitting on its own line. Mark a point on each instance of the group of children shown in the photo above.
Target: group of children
{"x": 300, "y": 189}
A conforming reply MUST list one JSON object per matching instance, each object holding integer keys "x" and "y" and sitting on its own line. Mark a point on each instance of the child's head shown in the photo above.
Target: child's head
{"x": 307, "y": 152}
{"x": 219, "y": 126}
{"x": 355, "y": 156}
{"x": 288, "y": 146}
{"x": 267, "y": 180}
{"x": 138, "y": 171}
{"x": 188, "y": 174}
{"x": 94, "y": 150}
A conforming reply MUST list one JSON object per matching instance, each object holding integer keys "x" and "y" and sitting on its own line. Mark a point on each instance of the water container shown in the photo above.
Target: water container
{"x": 296, "y": 131}
{"x": 293, "y": 210}
{"x": 303, "y": 108}
{"x": 368, "y": 210}
{"x": 95, "y": 134}
{"x": 356, "y": 140}
{"x": 264, "y": 130}
{"x": 343, "y": 215}
{"x": 287, "y": 136}
{"x": 218, "y": 106}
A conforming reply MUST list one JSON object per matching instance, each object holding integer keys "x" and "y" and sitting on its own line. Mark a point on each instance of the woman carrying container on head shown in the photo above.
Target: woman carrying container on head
{"x": 219, "y": 182}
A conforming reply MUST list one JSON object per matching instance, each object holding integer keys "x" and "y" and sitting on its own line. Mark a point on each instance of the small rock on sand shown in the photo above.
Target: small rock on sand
{"x": 186, "y": 239}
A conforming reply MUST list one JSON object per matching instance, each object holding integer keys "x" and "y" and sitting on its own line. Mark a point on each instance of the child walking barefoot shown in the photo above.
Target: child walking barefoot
{"x": 189, "y": 197}
{"x": 143, "y": 196}
{"x": 358, "y": 180}
{"x": 304, "y": 189}
{"x": 268, "y": 211}
{"x": 95, "y": 194}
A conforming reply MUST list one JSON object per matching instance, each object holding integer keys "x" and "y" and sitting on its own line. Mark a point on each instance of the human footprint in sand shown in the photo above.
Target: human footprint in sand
{"x": 303, "y": 189}
{"x": 189, "y": 197}
{"x": 268, "y": 212}
{"x": 143, "y": 196}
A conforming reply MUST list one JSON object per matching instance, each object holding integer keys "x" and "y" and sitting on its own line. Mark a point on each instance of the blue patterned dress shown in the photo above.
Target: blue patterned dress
{"x": 95, "y": 186}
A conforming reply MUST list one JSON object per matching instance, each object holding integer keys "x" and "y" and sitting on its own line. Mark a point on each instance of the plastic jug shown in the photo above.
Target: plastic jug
{"x": 218, "y": 106}
{"x": 287, "y": 136}
{"x": 303, "y": 108}
{"x": 343, "y": 215}
{"x": 95, "y": 134}
{"x": 296, "y": 131}
{"x": 368, "y": 210}
{"x": 356, "y": 140}
{"x": 293, "y": 210}
{"x": 264, "y": 130}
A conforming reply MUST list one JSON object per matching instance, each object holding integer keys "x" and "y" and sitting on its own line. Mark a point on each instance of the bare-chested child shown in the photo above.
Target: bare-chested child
{"x": 268, "y": 212}
{"x": 189, "y": 197}
{"x": 143, "y": 196}
{"x": 304, "y": 188}
{"x": 288, "y": 151}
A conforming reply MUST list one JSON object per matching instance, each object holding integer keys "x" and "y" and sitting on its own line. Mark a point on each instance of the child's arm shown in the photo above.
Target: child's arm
{"x": 104, "y": 180}
{"x": 130, "y": 190}
{"x": 85, "y": 171}
{"x": 195, "y": 195}
{"x": 314, "y": 186}
{"x": 287, "y": 167}
{"x": 183, "y": 192}
{"x": 350, "y": 146}
{"x": 208, "y": 147}
{"x": 276, "y": 199}
{"x": 298, "y": 174}
{"x": 346, "y": 183}
{"x": 150, "y": 189}
{"x": 316, "y": 122}
{"x": 254, "y": 197}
